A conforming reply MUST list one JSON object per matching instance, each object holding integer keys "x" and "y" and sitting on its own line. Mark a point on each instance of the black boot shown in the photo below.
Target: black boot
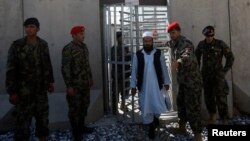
{"x": 87, "y": 130}
{"x": 75, "y": 131}
{"x": 77, "y": 137}
{"x": 151, "y": 132}
{"x": 156, "y": 121}
{"x": 84, "y": 129}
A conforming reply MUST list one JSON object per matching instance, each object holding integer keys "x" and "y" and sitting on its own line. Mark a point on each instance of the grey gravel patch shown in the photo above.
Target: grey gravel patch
{"x": 116, "y": 128}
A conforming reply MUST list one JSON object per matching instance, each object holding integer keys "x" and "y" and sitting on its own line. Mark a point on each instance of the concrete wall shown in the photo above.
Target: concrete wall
{"x": 10, "y": 29}
{"x": 240, "y": 27}
{"x": 231, "y": 20}
{"x": 194, "y": 15}
{"x": 56, "y": 18}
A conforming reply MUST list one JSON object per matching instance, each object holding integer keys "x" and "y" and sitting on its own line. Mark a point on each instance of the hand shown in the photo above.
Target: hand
{"x": 51, "y": 87}
{"x": 133, "y": 91}
{"x": 174, "y": 65}
{"x": 166, "y": 87}
{"x": 71, "y": 91}
{"x": 91, "y": 83}
{"x": 13, "y": 99}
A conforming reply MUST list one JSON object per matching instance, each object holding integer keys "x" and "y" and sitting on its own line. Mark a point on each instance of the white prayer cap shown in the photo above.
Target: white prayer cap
{"x": 147, "y": 34}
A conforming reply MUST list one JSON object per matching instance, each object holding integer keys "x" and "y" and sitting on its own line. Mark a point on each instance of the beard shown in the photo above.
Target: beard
{"x": 148, "y": 48}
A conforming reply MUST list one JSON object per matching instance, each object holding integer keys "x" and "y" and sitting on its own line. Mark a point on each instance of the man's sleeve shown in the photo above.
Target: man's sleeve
{"x": 66, "y": 66}
{"x": 12, "y": 68}
{"x": 198, "y": 53}
{"x": 229, "y": 57}
{"x": 49, "y": 64}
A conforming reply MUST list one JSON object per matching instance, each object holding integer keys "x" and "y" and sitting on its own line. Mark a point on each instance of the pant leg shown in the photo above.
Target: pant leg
{"x": 221, "y": 98}
{"x": 84, "y": 105}
{"x": 23, "y": 118}
{"x": 193, "y": 107}
{"x": 74, "y": 114}
{"x": 210, "y": 96}
{"x": 42, "y": 115}
{"x": 181, "y": 107}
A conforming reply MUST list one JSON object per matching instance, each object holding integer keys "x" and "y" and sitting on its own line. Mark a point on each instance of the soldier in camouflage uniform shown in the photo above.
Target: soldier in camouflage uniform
{"x": 118, "y": 56}
{"x": 28, "y": 78}
{"x": 213, "y": 72}
{"x": 189, "y": 80}
{"x": 77, "y": 76}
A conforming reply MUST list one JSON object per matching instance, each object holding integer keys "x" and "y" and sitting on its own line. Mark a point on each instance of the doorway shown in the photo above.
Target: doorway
{"x": 130, "y": 21}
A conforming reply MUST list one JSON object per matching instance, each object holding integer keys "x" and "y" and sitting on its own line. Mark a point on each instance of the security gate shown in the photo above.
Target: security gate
{"x": 131, "y": 21}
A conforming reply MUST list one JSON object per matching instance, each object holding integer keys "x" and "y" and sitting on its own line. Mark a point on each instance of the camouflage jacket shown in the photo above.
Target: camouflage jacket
{"x": 188, "y": 72}
{"x": 76, "y": 69}
{"x": 28, "y": 66}
{"x": 212, "y": 57}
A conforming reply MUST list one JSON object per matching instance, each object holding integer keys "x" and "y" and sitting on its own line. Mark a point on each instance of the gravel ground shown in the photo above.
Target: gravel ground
{"x": 120, "y": 128}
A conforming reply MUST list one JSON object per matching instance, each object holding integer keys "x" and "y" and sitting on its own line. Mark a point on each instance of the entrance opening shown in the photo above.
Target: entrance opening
{"x": 129, "y": 22}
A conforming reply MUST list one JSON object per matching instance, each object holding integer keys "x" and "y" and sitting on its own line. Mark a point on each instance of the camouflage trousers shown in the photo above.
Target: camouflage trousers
{"x": 189, "y": 107}
{"x": 215, "y": 94}
{"x": 78, "y": 109}
{"x": 31, "y": 105}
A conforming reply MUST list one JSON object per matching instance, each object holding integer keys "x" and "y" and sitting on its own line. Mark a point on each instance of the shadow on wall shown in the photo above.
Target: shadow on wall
{"x": 241, "y": 100}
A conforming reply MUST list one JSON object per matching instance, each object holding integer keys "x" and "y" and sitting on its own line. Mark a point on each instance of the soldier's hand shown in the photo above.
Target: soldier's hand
{"x": 71, "y": 91}
{"x": 166, "y": 87}
{"x": 174, "y": 65}
{"x": 133, "y": 91}
{"x": 51, "y": 87}
{"x": 13, "y": 99}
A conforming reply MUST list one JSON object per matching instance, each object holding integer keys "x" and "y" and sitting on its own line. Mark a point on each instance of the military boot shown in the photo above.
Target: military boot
{"x": 224, "y": 122}
{"x": 197, "y": 137}
{"x": 156, "y": 121}
{"x": 180, "y": 130}
{"x": 212, "y": 119}
{"x": 84, "y": 129}
{"x": 42, "y": 138}
{"x": 76, "y": 130}
{"x": 87, "y": 130}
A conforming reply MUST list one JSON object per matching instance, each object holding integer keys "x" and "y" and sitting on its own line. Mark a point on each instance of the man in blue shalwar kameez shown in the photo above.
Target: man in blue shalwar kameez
{"x": 150, "y": 75}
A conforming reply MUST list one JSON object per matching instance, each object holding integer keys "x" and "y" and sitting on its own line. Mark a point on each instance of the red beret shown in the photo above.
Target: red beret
{"x": 173, "y": 25}
{"x": 77, "y": 29}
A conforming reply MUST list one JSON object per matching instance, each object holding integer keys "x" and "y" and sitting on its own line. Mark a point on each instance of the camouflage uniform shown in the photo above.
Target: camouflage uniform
{"x": 190, "y": 84}
{"x": 215, "y": 86}
{"x": 29, "y": 72}
{"x": 76, "y": 72}
{"x": 120, "y": 72}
